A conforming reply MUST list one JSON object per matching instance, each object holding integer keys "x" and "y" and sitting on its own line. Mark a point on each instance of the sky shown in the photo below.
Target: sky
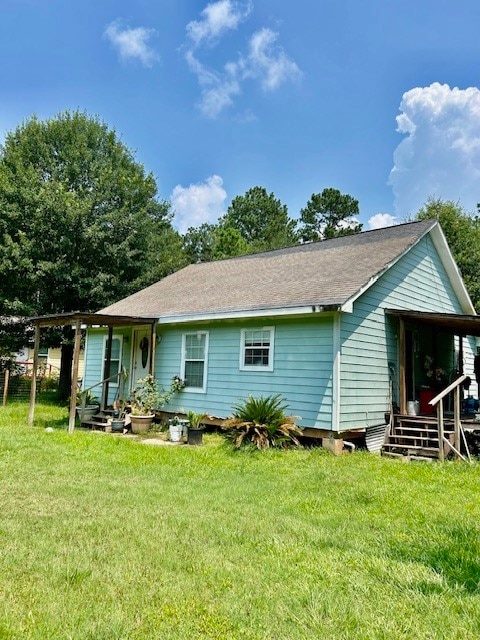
{"x": 377, "y": 98}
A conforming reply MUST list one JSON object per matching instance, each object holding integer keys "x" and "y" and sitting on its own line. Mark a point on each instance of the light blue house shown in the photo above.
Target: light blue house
{"x": 331, "y": 326}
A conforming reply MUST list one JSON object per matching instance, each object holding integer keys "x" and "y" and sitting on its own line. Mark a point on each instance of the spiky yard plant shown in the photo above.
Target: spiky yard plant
{"x": 262, "y": 422}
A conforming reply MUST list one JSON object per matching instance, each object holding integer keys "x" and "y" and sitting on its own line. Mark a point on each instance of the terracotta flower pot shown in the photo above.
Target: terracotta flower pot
{"x": 141, "y": 424}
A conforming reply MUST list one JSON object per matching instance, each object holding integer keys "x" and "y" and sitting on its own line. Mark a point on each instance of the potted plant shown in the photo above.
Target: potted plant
{"x": 118, "y": 418}
{"x": 146, "y": 398}
{"x": 195, "y": 427}
{"x": 88, "y": 407}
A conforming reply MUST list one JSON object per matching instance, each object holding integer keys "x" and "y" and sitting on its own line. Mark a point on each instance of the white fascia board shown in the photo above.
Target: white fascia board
{"x": 254, "y": 313}
{"x": 441, "y": 245}
{"x": 347, "y": 307}
{"x": 453, "y": 272}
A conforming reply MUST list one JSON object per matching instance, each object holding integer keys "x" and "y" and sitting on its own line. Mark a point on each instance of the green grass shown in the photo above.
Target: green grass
{"x": 105, "y": 538}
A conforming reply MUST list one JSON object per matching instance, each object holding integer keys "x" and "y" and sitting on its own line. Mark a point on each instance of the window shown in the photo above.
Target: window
{"x": 116, "y": 358}
{"x": 194, "y": 360}
{"x": 256, "y": 349}
{"x": 42, "y": 355}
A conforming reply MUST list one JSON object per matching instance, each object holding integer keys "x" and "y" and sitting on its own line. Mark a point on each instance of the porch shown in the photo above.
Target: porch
{"x": 433, "y": 350}
{"x": 427, "y": 437}
{"x": 80, "y": 321}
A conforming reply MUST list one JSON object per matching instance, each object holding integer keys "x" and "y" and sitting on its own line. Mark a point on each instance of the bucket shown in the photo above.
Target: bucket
{"x": 175, "y": 432}
{"x": 413, "y": 407}
{"x": 469, "y": 406}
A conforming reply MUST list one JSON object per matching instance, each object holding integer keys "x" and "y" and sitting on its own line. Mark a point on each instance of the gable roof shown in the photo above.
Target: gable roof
{"x": 327, "y": 275}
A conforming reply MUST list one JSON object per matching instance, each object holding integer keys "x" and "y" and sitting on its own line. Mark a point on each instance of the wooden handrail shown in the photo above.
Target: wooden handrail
{"x": 458, "y": 429}
{"x": 121, "y": 374}
{"x": 456, "y": 383}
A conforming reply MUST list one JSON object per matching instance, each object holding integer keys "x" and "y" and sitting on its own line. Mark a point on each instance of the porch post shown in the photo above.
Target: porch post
{"x": 441, "y": 451}
{"x": 456, "y": 418}
{"x": 5, "y": 386}
{"x": 402, "y": 366}
{"x": 33, "y": 388}
{"x": 106, "y": 369}
{"x": 460, "y": 355}
{"x": 74, "y": 388}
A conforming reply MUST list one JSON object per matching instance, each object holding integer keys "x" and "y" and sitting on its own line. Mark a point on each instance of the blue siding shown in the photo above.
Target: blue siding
{"x": 302, "y": 371}
{"x": 302, "y": 368}
{"x": 369, "y": 340}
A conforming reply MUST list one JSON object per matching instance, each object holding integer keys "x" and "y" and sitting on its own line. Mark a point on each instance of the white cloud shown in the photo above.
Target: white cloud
{"x": 440, "y": 155}
{"x": 268, "y": 62}
{"x": 380, "y": 220}
{"x": 217, "y": 90}
{"x": 198, "y": 203}
{"x": 214, "y": 100}
{"x": 132, "y": 43}
{"x": 217, "y": 17}
{"x": 264, "y": 61}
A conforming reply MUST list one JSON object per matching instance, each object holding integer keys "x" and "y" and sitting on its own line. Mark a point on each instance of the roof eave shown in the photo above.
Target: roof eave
{"x": 90, "y": 319}
{"x": 251, "y": 313}
{"x": 448, "y": 261}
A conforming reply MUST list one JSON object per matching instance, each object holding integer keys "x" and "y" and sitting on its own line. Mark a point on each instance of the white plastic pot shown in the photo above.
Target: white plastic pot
{"x": 175, "y": 432}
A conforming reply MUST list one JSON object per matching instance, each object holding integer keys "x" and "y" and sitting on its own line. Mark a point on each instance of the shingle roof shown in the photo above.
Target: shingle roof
{"x": 321, "y": 273}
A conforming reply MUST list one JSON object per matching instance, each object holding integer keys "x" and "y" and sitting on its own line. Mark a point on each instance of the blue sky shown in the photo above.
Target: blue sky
{"x": 377, "y": 98}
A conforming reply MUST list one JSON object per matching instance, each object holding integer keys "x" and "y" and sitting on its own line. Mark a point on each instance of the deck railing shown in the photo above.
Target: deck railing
{"x": 120, "y": 377}
{"x": 459, "y": 435}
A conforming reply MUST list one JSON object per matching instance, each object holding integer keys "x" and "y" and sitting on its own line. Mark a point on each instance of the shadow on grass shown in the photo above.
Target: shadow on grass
{"x": 453, "y": 553}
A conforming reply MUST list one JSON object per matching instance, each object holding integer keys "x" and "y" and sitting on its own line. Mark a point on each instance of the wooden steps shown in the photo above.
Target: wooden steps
{"x": 415, "y": 438}
{"x": 98, "y": 421}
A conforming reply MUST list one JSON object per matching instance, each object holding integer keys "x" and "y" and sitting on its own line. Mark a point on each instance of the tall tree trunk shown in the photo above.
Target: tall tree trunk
{"x": 65, "y": 380}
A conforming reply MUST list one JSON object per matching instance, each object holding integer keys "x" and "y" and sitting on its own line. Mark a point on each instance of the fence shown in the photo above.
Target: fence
{"x": 16, "y": 387}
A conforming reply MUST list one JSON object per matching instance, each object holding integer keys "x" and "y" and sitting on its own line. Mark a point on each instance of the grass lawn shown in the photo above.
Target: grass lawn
{"x": 105, "y": 538}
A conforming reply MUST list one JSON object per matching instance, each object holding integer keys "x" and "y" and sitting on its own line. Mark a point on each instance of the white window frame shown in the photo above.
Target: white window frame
{"x": 202, "y": 389}
{"x": 271, "y": 352}
{"x": 115, "y": 336}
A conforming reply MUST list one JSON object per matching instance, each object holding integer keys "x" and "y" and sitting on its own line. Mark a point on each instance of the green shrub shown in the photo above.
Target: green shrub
{"x": 49, "y": 383}
{"x": 262, "y": 422}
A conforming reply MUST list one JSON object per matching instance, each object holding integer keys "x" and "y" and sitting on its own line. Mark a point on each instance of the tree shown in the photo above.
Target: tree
{"x": 213, "y": 242}
{"x": 198, "y": 243}
{"x": 228, "y": 243}
{"x": 15, "y": 332}
{"x": 77, "y": 216}
{"x": 329, "y": 214}
{"x": 164, "y": 254}
{"x": 462, "y": 231}
{"x": 262, "y": 221}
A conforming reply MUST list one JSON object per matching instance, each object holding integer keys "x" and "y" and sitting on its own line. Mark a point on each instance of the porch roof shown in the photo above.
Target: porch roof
{"x": 465, "y": 325}
{"x": 90, "y": 319}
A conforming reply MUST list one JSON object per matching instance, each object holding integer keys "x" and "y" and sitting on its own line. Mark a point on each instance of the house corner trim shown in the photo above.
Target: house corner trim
{"x": 336, "y": 393}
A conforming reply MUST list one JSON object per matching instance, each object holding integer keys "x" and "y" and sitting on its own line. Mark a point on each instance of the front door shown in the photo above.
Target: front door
{"x": 141, "y": 354}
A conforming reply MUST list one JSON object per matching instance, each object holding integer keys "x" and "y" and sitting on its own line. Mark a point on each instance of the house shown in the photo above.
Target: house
{"x": 49, "y": 359}
{"x": 340, "y": 328}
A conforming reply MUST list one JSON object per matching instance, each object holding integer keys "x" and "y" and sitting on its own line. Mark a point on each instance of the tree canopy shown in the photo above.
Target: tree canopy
{"x": 329, "y": 214}
{"x": 462, "y": 231}
{"x": 78, "y": 216}
{"x": 213, "y": 242}
{"x": 80, "y": 224}
{"x": 262, "y": 221}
